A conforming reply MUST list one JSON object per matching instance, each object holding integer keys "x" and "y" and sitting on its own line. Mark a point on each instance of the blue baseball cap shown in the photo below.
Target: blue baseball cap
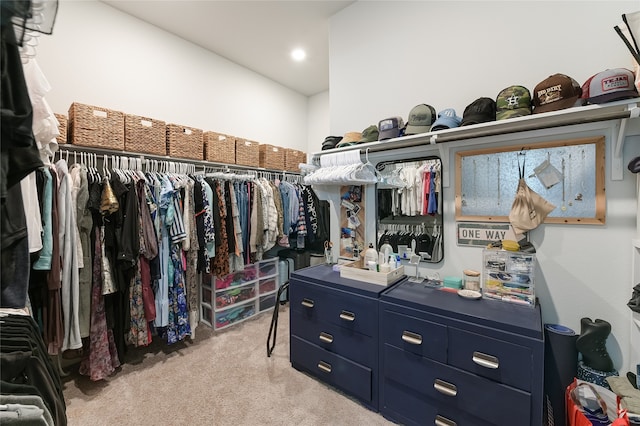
{"x": 447, "y": 119}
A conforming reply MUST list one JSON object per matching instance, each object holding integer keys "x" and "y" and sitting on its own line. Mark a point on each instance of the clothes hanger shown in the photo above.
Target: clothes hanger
{"x": 105, "y": 168}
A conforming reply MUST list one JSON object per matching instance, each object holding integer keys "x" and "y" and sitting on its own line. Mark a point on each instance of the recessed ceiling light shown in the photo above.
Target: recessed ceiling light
{"x": 298, "y": 54}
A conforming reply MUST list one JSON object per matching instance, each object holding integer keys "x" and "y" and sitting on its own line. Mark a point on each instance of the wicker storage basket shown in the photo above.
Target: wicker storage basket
{"x": 271, "y": 157}
{"x": 95, "y": 126}
{"x": 292, "y": 158}
{"x": 184, "y": 142}
{"x": 219, "y": 148}
{"x": 62, "y": 127}
{"x": 144, "y": 135}
{"x": 247, "y": 153}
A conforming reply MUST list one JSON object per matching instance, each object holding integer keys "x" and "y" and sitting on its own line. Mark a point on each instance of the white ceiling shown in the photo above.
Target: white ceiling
{"x": 258, "y": 35}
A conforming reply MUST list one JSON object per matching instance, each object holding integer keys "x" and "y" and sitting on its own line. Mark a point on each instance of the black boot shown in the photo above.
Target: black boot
{"x": 592, "y": 344}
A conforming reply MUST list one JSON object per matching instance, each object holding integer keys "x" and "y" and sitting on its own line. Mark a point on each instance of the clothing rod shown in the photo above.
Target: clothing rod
{"x": 491, "y": 129}
{"x": 102, "y": 151}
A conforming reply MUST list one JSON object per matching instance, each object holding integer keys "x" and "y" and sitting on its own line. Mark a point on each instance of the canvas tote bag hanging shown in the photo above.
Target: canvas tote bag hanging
{"x": 529, "y": 209}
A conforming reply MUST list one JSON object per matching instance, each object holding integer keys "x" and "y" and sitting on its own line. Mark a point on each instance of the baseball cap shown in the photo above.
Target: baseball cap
{"x": 331, "y": 142}
{"x": 390, "y": 128}
{"x": 447, "y": 119}
{"x": 609, "y": 85}
{"x": 370, "y": 134}
{"x": 513, "y": 101}
{"x": 634, "y": 165}
{"x": 558, "y": 91}
{"x": 421, "y": 117}
{"x": 479, "y": 111}
{"x": 349, "y": 138}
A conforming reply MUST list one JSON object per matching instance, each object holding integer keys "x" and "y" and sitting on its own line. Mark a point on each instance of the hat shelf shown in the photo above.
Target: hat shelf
{"x": 549, "y": 124}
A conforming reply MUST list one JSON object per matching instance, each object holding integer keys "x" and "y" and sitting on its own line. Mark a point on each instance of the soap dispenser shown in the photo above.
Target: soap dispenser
{"x": 370, "y": 257}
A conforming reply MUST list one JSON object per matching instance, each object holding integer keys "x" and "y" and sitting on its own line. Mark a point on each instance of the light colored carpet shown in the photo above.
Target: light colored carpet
{"x": 220, "y": 378}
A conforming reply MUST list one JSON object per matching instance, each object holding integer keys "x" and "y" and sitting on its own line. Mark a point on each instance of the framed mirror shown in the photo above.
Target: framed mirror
{"x": 409, "y": 208}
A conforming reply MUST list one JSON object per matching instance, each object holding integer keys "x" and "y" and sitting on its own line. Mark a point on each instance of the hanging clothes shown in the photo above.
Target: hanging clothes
{"x": 270, "y": 215}
{"x": 101, "y": 358}
{"x": 244, "y": 216}
{"x": 256, "y": 223}
{"x": 203, "y": 198}
{"x": 148, "y": 251}
{"x": 70, "y": 278}
{"x": 277, "y": 198}
{"x": 26, "y": 370}
{"x": 200, "y": 206}
{"x": 178, "y": 327}
{"x": 236, "y": 262}
{"x": 84, "y": 222}
{"x": 54, "y": 328}
{"x": 126, "y": 249}
{"x": 285, "y": 188}
{"x": 166, "y": 213}
{"x": 18, "y": 159}
{"x": 192, "y": 250}
{"x": 220, "y": 263}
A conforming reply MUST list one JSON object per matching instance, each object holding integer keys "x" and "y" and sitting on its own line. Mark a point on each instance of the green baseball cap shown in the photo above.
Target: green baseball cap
{"x": 370, "y": 134}
{"x": 421, "y": 117}
{"x": 513, "y": 101}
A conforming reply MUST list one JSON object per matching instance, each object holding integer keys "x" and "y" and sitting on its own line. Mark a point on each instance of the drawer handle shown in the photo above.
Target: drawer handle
{"x": 324, "y": 366}
{"x": 443, "y": 421}
{"x": 413, "y": 338}
{"x": 445, "y": 388}
{"x": 347, "y": 316}
{"x": 326, "y": 337}
{"x": 307, "y": 303}
{"x": 484, "y": 360}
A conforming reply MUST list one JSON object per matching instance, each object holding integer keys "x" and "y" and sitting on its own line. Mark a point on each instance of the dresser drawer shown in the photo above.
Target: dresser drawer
{"x": 332, "y": 369}
{"x": 340, "y": 340}
{"x": 415, "y": 335}
{"x": 493, "y": 402}
{"x": 495, "y": 359}
{"x": 347, "y": 310}
{"x": 408, "y": 407}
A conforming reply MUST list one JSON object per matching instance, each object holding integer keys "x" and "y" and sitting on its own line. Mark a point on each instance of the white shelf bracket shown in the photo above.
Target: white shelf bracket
{"x": 444, "y": 157}
{"x": 617, "y": 168}
{"x": 446, "y": 170}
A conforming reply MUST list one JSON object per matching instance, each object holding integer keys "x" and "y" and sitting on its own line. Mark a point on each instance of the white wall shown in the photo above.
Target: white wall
{"x": 100, "y": 56}
{"x": 317, "y": 121}
{"x": 387, "y": 57}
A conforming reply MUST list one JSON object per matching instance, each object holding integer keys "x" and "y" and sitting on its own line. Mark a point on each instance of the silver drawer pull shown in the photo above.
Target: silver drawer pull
{"x": 445, "y": 388}
{"x": 326, "y": 337}
{"x": 443, "y": 421}
{"x": 324, "y": 366}
{"x": 307, "y": 303}
{"x": 413, "y": 338}
{"x": 347, "y": 316}
{"x": 484, "y": 360}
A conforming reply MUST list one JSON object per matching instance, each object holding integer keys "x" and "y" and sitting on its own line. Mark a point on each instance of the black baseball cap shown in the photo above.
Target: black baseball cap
{"x": 481, "y": 110}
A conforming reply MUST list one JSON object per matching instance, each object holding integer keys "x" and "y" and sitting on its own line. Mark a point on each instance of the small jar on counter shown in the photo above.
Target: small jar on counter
{"x": 471, "y": 280}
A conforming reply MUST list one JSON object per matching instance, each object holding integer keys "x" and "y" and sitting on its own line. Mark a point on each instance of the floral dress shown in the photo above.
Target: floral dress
{"x": 179, "y": 326}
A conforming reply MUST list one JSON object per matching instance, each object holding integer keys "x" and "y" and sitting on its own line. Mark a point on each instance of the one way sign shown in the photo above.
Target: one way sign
{"x": 482, "y": 234}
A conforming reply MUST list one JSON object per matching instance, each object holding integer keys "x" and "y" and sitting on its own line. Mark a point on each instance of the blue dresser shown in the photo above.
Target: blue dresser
{"x": 334, "y": 331}
{"x": 447, "y": 360}
{"x": 419, "y": 356}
